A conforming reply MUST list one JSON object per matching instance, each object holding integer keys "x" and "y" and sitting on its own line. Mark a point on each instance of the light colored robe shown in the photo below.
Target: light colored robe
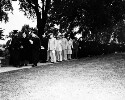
{"x": 58, "y": 45}
{"x": 64, "y": 44}
{"x": 52, "y": 44}
{"x": 70, "y": 46}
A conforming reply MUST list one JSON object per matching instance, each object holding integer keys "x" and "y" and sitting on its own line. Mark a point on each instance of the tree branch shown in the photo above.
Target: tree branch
{"x": 33, "y": 4}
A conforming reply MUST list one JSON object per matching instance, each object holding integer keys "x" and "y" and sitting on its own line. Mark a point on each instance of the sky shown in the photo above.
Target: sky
{"x": 16, "y": 20}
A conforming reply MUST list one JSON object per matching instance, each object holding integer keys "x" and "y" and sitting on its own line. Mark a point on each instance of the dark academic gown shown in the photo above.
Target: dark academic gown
{"x": 14, "y": 52}
{"x": 35, "y": 47}
{"x": 43, "y": 52}
{"x": 24, "y": 51}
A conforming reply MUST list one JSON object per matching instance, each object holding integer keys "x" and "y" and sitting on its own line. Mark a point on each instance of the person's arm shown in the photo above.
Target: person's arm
{"x": 55, "y": 44}
{"x": 48, "y": 45}
{"x": 72, "y": 44}
{"x": 66, "y": 43}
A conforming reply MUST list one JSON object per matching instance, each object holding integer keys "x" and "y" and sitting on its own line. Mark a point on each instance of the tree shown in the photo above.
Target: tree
{"x": 5, "y": 5}
{"x": 33, "y": 9}
{"x": 1, "y": 33}
{"x": 94, "y": 14}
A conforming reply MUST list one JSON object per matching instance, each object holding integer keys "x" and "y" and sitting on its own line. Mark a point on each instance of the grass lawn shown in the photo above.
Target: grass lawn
{"x": 95, "y": 78}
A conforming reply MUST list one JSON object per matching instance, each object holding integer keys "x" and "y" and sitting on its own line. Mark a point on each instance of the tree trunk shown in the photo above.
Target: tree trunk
{"x": 41, "y": 20}
{"x": 0, "y": 12}
{"x": 45, "y": 9}
{"x": 40, "y": 26}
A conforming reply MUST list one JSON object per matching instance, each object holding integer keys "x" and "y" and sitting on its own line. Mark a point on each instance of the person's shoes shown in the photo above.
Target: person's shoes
{"x": 33, "y": 65}
{"x": 25, "y": 64}
{"x": 21, "y": 65}
{"x": 43, "y": 61}
{"x": 17, "y": 66}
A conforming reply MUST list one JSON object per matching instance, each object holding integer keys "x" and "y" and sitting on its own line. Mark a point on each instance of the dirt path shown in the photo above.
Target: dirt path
{"x": 97, "y": 78}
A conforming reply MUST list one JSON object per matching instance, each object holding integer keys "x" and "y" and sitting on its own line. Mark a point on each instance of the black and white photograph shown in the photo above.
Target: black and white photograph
{"x": 62, "y": 49}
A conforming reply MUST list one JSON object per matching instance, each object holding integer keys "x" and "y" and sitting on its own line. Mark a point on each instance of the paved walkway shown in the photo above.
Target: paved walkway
{"x": 11, "y": 68}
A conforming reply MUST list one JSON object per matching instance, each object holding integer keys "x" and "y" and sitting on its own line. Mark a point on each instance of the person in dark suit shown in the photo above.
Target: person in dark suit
{"x": 24, "y": 49}
{"x": 75, "y": 48}
{"x": 35, "y": 47}
{"x": 81, "y": 48}
{"x": 44, "y": 47}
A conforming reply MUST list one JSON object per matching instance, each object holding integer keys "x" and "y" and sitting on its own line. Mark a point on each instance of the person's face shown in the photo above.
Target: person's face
{"x": 68, "y": 37}
{"x": 16, "y": 35}
{"x": 51, "y": 36}
{"x": 24, "y": 35}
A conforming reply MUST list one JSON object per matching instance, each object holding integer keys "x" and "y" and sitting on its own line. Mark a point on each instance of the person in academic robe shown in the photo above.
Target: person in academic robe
{"x": 8, "y": 48}
{"x": 24, "y": 49}
{"x": 15, "y": 50}
{"x": 44, "y": 47}
{"x": 35, "y": 47}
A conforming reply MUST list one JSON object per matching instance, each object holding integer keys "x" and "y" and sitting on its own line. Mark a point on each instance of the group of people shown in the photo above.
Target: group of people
{"x": 24, "y": 49}
{"x": 27, "y": 48}
{"x": 62, "y": 48}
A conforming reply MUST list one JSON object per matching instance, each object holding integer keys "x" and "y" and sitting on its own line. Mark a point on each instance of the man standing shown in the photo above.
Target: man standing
{"x": 64, "y": 48}
{"x": 44, "y": 48}
{"x": 52, "y": 48}
{"x": 59, "y": 48}
{"x": 75, "y": 48}
{"x": 15, "y": 49}
{"x": 24, "y": 49}
{"x": 81, "y": 48}
{"x": 69, "y": 47}
{"x": 35, "y": 47}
